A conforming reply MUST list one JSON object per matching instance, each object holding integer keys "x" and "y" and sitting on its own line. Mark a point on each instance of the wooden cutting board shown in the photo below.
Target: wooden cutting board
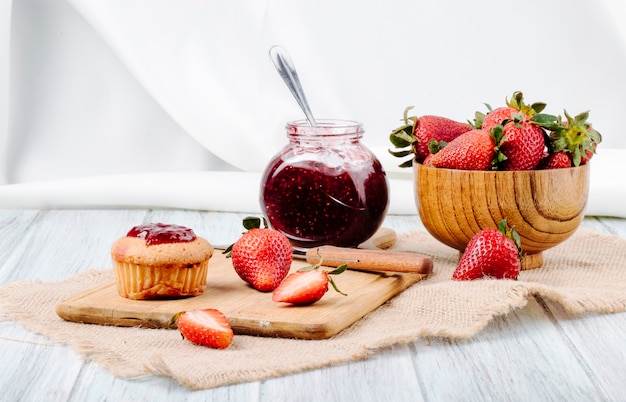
{"x": 248, "y": 310}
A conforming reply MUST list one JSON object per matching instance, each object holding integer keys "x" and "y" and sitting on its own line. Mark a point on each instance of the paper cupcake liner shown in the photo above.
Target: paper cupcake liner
{"x": 138, "y": 282}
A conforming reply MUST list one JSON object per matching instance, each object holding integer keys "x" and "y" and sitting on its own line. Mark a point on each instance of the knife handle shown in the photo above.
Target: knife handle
{"x": 371, "y": 260}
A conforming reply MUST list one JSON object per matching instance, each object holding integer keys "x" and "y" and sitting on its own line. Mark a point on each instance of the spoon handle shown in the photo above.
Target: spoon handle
{"x": 287, "y": 71}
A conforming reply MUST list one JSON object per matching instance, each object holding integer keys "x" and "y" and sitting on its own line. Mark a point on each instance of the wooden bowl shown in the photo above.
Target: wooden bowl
{"x": 544, "y": 206}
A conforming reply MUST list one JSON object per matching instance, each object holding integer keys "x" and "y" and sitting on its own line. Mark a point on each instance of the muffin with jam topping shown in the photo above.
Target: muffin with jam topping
{"x": 158, "y": 260}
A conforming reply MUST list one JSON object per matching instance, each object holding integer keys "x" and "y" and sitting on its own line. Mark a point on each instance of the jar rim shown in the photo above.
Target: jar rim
{"x": 325, "y": 127}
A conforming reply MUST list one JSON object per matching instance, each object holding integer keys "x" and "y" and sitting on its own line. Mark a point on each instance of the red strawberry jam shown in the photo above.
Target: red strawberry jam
{"x": 325, "y": 190}
{"x": 159, "y": 233}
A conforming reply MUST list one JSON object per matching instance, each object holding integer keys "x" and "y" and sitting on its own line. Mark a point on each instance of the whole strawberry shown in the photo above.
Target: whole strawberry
{"x": 307, "y": 285}
{"x": 498, "y": 116}
{"x": 574, "y": 136}
{"x": 473, "y": 150}
{"x": 262, "y": 256}
{"x": 208, "y": 327}
{"x": 523, "y": 144}
{"x": 514, "y": 106}
{"x": 492, "y": 253}
{"x": 418, "y": 132}
{"x": 555, "y": 160}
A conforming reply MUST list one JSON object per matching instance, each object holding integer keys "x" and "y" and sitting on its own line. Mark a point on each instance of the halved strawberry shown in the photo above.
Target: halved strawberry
{"x": 306, "y": 286}
{"x": 207, "y": 327}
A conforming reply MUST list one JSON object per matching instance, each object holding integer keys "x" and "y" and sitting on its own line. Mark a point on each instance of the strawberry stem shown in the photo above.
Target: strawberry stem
{"x": 512, "y": 234}
{"x": 338, "y": 270}
{"x": 174, "y": 320}
{"x": 334, "y": 285}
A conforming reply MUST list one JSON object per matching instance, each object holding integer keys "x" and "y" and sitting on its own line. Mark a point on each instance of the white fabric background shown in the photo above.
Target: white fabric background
{"x": 119, "y": 92}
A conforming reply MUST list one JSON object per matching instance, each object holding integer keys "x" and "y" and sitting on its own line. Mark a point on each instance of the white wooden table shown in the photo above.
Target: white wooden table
{"x": 533, "y": 354}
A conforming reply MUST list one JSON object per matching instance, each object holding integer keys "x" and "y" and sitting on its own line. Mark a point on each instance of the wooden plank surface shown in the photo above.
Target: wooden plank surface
{"x": 248, "y": 310}
{"x": 535, "y": 353}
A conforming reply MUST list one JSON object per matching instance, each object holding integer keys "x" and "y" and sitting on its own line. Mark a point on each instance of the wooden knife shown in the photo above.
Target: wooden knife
{"x": 371, "y": 260}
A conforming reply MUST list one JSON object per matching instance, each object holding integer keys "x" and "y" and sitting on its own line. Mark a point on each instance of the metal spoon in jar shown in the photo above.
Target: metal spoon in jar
{"x": 286, "y": 69}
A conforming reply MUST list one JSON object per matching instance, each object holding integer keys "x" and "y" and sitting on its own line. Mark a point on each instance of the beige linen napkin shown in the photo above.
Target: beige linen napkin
{"x": 585, "y": 274}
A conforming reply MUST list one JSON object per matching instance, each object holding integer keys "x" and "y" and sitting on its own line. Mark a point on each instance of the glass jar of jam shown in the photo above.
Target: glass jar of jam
{"x": 325, "y": 187}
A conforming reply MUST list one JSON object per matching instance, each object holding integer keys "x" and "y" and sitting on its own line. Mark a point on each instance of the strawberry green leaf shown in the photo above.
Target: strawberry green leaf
{"x": 516, "y": 239}
{"x": 401, "y": 154}
{"x": 340, "y": 269}
{"x": 435, "y": 146}
{"x": 251, "y": 222}
{"x": 512, "y": 234}
{"x": 577, "y": 158}
{"x": 228, "y": 251}
{"x": 580, "y": 117}
{"x": 594, "y": 136}
{"x": 402, "y": 137}
{"x": 538, "y": 107}
{"x": 479, "y": 117}
{"x": 544, "y": 120}
{"x": 497, "y": 133}
{"x": 406, "y": 164}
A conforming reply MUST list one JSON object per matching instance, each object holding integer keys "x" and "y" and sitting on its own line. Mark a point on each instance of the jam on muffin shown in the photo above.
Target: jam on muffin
{"x": 158, "y": 260}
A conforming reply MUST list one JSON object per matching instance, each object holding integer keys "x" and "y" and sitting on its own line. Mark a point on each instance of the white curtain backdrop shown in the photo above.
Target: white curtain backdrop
{"x": 117, "y": 102}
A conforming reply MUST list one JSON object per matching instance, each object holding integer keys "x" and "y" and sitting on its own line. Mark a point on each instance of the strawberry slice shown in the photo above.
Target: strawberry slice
{"x": 301, "y": 288}
{"x": 207, "y": 327}
{"x": 306, "y": 286}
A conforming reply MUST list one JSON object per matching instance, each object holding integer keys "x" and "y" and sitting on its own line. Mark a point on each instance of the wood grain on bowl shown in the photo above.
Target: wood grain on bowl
{"x": 544, "y": 206}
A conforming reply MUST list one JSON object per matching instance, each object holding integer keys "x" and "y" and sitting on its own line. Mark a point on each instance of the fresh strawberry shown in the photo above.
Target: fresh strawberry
{"x": 307, "y": 285}
{"x": 434, "y": 146}
{"x": 208, "y": 327}
{"x": 523, "y": 144}
{"x": 262, "y": 256}
{"x": 556, "y": 160}
{"x": 589, "y": 153}
{"x": 574, "y": 136}
{"x": 502, "y": 114}
{"x": 498, "y": 116}
{"x": 473, "y": 150}
{"x": 438, "y": 128}
{"x": 416, "y": 134}
{"x": 427, "y": 159}
{"x": 492, "y": 253}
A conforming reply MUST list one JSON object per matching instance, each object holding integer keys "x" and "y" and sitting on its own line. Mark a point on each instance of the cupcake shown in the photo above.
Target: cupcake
{"x": 159, "y": 260}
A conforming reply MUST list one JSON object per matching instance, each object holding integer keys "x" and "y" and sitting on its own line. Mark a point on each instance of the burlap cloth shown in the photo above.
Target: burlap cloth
{"x": 585, "y": 274}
